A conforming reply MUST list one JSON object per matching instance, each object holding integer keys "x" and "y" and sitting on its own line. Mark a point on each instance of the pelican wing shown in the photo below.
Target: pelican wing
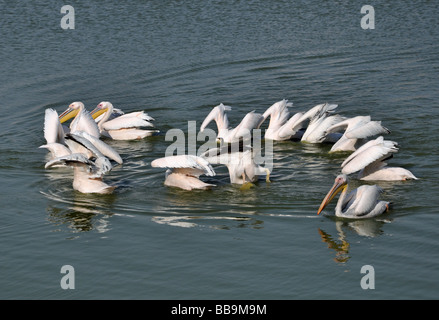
{"x": 363, "y": 200}
{"x": 251, "y": 121}
{"x": 101, "y": 166}
{"x": 84, "y": 122}
{"x": 53, "y": 131}
{"x": 95, "y": 169}
{"x": 318, "y": 111}
{"x": 368, "y": 153}
{"x": 278, "y": 114}
{"x": 325, "y": 110}
{"x": 291, "y": 126}
{"x": 371, "y": 128}
{"x": 137, "y": 114}
{"x": 97, "y": 146}
{"x": 311, "y": 112}
{"x": 78, "y": 138}
{"x": 185, "y": 161}
{"x": 218, "y": 114}
{"x": 315, "y": 115}
{"x": 130, "y": 120}
{"x": 74, "y": 158}
{"x": 316, "y": 130}
{"x": 56, "y": 149}
{"x": 348, "y": 124}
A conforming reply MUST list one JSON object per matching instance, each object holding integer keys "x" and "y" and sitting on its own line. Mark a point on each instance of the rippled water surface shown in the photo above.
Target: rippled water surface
{"x": 176, "y": 60}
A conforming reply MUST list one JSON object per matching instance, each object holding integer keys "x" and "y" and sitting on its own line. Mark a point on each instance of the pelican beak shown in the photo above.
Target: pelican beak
{"x": 68, "y": 114}
{"x": 336, "y": 188}
{"x": 97, "y": 112}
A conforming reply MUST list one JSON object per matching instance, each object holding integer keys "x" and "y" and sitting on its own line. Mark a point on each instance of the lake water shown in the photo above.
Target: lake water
{"x": 177, "y": 60}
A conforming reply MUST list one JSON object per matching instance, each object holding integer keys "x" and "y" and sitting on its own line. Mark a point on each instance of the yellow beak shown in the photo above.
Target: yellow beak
{"x": 336, "y": 188}
{"x": 97, "y": 112}
{"x": 68, "y": 114}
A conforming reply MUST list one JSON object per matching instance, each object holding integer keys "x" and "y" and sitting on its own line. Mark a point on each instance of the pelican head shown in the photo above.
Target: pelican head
{"x": 71, "y": 111}
{"x": 340, "y": 184}
{"x": 102, "y": 107}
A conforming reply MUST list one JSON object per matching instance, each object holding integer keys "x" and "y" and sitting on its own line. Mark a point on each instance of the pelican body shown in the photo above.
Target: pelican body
{"x": 88, "y": 157}
{"x": 281, "y": 125}
{"x": 240, "y": 162}
{"x": 128, "y": 126}
{"x": 360, "y": 203}
{"x": 87, "y": 174}
{"x": 184, "y": 171}
{"x": 226, "y": 134}
{"x": 319, "y": 121}
{"x": 356, "y": 130}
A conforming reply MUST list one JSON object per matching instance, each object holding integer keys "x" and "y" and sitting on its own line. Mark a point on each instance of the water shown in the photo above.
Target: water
{"x": 177, "y": 60}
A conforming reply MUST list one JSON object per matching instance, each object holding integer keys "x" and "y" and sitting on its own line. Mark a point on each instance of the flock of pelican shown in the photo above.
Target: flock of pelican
{"x": 82, "y": 146}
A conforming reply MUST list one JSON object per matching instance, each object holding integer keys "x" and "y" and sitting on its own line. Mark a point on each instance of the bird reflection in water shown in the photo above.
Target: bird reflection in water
{"x": 366, "y": 228}
{"x": 341, "y": 246}
{"x": 80, "y": 214}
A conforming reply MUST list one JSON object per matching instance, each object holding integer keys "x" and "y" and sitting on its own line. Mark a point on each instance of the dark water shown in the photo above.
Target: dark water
{"x": 177, "y": 60}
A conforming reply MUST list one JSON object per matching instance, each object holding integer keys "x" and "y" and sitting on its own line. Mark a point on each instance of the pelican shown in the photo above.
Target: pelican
{"x": 226, "y": 134}
{"x": 356, "y": 129}
{"x": 319, "y": 121}
{"x": 123, "y": 127}
{"x": 54, "y": 135}
{"x": 360, "y": 203}
{"x": 369, "y": 161}
{"x": 87, "y": 174}
{"x": 184, "y": 171}
{"x": 240, "y": 162}
{"x": 281, "y": 125}
{"x": 82, "y": 121}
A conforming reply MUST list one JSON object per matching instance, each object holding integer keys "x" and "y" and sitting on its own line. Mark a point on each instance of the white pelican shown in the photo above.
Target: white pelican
{"x": 82, "y": 121}
{"x": 369, "y": 161}
{"x": 87, "y": 174}
{"x": 281, "y": 125}
{"x": 320, "y": 120}
{"x": 360, "y": 203}
{"x": 184, "y": 171}
{"x": 54, "y": 135}
{"x": 127, "y": 126}
{"x": 226, "y": 134}
{"x": 356, "y": 129}
{"x": 240, "y": 162}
